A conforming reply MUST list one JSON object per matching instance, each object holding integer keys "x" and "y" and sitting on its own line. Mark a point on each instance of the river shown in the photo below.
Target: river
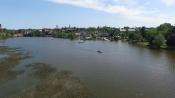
{"x": 121, "y": 71}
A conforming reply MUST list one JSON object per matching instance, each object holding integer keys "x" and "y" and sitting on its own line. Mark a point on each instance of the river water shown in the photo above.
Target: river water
{"x": 121, "y": 71}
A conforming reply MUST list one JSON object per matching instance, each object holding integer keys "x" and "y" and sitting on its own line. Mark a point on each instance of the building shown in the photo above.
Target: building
{"x": 132, "y": 29}
{"x": 129, "y": 29}
{"x": 122, "y": 30}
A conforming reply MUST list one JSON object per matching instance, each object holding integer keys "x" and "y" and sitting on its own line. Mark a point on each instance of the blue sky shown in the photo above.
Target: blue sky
{"x": 85, "y": 13}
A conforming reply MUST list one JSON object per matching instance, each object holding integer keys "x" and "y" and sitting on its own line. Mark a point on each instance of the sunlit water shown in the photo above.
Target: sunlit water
{"x": 121, "y": 71}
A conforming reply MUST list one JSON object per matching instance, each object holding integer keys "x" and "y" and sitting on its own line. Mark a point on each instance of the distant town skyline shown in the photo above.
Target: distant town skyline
{"x": 16, "y": 14}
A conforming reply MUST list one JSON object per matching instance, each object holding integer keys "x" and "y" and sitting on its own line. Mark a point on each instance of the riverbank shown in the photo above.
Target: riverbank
{"x": 146, "y": 44}
{"x": 4, "y": 36}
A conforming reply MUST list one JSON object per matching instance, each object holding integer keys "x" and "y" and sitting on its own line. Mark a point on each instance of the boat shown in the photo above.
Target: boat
{"x": 106, "y": 39}
{"x": 81, "y": 41}
{"x": 99, "y": 51}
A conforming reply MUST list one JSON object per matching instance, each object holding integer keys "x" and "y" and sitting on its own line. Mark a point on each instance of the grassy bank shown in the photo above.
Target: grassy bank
{"x": 146, "y": 44}
{"x": 4, "y": 36}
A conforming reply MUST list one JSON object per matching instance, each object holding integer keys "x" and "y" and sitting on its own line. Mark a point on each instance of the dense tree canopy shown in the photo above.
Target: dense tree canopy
{"x": 171, "y": 38}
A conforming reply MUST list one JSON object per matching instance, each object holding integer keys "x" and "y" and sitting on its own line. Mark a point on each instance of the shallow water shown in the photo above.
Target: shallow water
{"x": 121, "y": 71}
{"x": 2, "y": 56}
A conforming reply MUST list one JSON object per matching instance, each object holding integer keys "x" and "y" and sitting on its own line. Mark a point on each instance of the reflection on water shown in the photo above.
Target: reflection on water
{"x": 121, "y": 71}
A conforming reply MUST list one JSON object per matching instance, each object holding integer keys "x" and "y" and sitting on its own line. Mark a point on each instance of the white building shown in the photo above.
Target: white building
{"x": 130, "y": 29}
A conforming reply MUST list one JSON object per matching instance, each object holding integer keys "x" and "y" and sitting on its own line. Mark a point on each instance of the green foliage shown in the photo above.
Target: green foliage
{"x": 36, "y": 33}
{"x": 154, "y": 37}
{"x": 158, "y": 41}
{"x": 165, "y": 29}
{"x": 150, "y": 35}
{"x": 135, "y": 36}
{"x": 70, "y": 35}
{"x": 171, "y": 39}
{"x": 4, "y": 35}
{"x": 143, "y": 32}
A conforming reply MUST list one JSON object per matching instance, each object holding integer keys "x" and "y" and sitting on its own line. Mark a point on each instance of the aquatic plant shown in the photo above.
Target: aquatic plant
{"x": 9, "y": 62}
{"x": 53, "y": 84}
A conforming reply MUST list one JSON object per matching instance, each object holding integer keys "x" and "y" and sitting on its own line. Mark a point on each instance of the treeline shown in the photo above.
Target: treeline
{"x": 4, "y": 34}
{"x": 162, "y": 36}
{"x": 70, "y": 35}
{"x": 50, "y": 33}
{"x": 90, "y": 33}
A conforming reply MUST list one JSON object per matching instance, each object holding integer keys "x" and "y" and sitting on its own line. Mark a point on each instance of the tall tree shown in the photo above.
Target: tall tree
{"x": 143, "y": 32}
{"x": 171, "y": 38}
{"x": 165, "y": 29}
{"x": 158, "y": 41}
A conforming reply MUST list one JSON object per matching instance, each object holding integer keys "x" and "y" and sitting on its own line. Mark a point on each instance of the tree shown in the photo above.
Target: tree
{"x": 135, "y": 36}
{"x": 143, "y": 32}
{"x": 150, "y": 34}
{"x": 71, "y": 35}
{"x": 158, "y": 41}
{"x": 171, "y": 38}
{"x": 165, "y": 29}
{"x": 36, "y": 33}
{"x": 4, "y": 35}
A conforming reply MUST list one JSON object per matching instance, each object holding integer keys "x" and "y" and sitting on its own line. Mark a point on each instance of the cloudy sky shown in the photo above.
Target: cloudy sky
{"x": 85, "y": 13}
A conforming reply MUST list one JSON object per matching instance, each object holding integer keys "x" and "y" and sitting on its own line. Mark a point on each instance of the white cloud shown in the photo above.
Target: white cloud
{"x": 102, "y": 6}
{"x": 127, "y": 10}
{"x": 168, "y": 2}
{"x": 127, "y": 2}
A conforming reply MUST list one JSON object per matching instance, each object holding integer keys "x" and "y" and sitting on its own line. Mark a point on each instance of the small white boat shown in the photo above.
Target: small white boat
{"x": 81, "y": 41}
{"x": 106, "y": 39}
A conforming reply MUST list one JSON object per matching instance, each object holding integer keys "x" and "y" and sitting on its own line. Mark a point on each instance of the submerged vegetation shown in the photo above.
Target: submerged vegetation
{"x": 53, "y": 84}
{"x": 50, "y": 82}
{"x": 12, "y": 57}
